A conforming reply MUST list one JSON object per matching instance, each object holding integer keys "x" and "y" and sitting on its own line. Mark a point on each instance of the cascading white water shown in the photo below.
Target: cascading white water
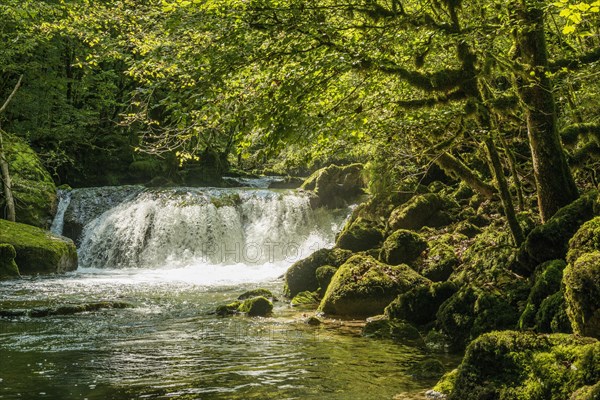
{"x": 64, "y": 199}
{"x": 224, "y": 231}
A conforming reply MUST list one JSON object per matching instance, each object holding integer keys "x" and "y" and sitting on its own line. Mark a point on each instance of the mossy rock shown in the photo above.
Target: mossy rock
{"x": 33, "y": 189}
{"x": 8, "y": 266}
{"x": 440, "y": 262}
{"x": 551, "y": 317}
{"x": 550, "y": 241}
{"x": 472, "y": 311}
{"x": 587, "y": 393}
{"x": 305, "y": 299}
{"x": 257, "y": 292}
{"x": 226, "y": 200}
{"x": 429, "y": 209}
{"x": 336, "y": 185}
{"x": 429, "y": 368}
{"x": 381, "y": 327}
{"x": 420, "y": 304}
{"x": 359, "y": 235}
{"x": 582, "y": 294}
{"x": 547, "y": 280}
{"x": 518, "y": 365}
{"x": 38, "y": 251}
{"x": 256, "y": 307}
{"x": 445, "y": 385}
{"x": 402, "y": 247}
{"x": 228, "y": 309}
{"x": 586, "y": 240}
{"x": 301, "y": 276}
{"x": 363, "y": 286}
{"x": 468, "y": 229}
{"x": 324, "y": 275}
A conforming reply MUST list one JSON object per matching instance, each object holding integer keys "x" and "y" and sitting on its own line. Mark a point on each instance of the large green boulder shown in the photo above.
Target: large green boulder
{"x": 32, "y": 186}
{"x": 302, "y": 276}
{"x": 430, "y": 209}
{"x": 402, "y": 247}
{"x": 550, "y": 241}
{"x": 256, "y": 306}
{"x": 585, "y": 240}
{"x": 420, "y": 304}
{"x": 336, "y": 185}
{"x": 582, "y": 294}
{"x": 551, "y": 316}
{"x": 363, "y": 286}
{"x": 38, "y": 251}
{"x": 359, "y": 235}
{"x": 8, "y": 266}
{"x": 517, "y": 365}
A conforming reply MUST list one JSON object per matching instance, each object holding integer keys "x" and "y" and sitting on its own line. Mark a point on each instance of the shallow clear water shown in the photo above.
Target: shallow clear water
{"x": 169, "y": 344}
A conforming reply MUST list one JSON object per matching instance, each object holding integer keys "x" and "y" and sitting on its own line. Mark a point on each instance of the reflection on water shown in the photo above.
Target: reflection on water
{"x": 170, "y": 346}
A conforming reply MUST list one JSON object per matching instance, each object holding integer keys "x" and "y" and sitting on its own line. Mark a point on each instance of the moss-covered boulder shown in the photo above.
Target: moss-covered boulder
{"x": 363, "y": 286}
{"x": 256, "y": 307}
{"x": 472, "y": 311}
{"x": 324, "y": 275}
{"x": 419, "y": 305}
{"x": 582, "y": 294}
{"x": 38, "y": 251}
{"x": 546, "y": 282}
{"x": 587, "y": 393}
{"x": 336, "y": 185}
{"x": 551, "y": 316}
{"x": 516, "y": 365}
{"x": 402, "y": 247}
{"x": 305, "y": 299}
{"x": 439, "y": 263}
{"x": 359, "y": 235}
{"x": 257, "y": 292}
{"x": 585, "y": 240}
{"x": 8, "y": 266}
{"x": 301, "y": 276}
{"x": 550, "y": 240}
{"x": 430, "y": 209}
{"x": 228, "y": 309}
{"x": 33, "y": 188}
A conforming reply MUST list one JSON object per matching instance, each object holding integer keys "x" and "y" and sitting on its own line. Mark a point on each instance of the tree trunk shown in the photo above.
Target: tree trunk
{"x": 455, "y": 168}
{"x": 555, "y": 185}
{"x": 10, "y": 200}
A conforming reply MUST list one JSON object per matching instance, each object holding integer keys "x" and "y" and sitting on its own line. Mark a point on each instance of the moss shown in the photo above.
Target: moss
{"x": 228, "y": 309}
{"x": 335, "y": 185}
{"x": 382, "y": 328}
{"x": 436, "y": 341}
{"x": 8, "y": 266}
{"x": 429, "y": 368}
{"x": 228, "y": 200}
{"x": 420, "y": 304}
{"x": 425, "y": 210}
{"x": 468, "y": 229}
{"x": 305, "y": 299}
{"x": 446, "y": 384}
{"x": 402, "y": 247}
{"x": 463, "y": 192}
{"x": 38, "y": 251}
{"x": 33, "y": 188}
{"x": 324, "y": 275}
{"x": 301, "y": 276}
{"x": 587, "y": 393}
{"x": 550, "y": 241}
{"x": 256, "y": 307}
{"x": 586, "y": 240}
{"x": 472, "y": 311}
{"x": 547, "y": 281}
{"x": 257, "y": 292}
{"x": 516, "y": 365}
{"x": 582, "y": 294}
{"x": 362, "y": 286}
{"x": 359, "y": 235}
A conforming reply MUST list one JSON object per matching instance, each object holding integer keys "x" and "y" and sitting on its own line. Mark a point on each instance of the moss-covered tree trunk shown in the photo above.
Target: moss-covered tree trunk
{"x": 555, "y": 185}
{"x": 4, "y": 171}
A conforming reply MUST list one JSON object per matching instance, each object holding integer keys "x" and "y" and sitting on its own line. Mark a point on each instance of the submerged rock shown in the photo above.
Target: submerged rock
{"x": 8, "y": 266}
{"x": 68, "y": 309}
{"x": 301, "y": 276}
{"x": 363, "y": 286}
{"x": 38, "y": 251}
{"x": 582, "y": 294}
{"x": 383, "y": 328}
{"x": 516, "y": 365}
{"x": 33, "y": 188}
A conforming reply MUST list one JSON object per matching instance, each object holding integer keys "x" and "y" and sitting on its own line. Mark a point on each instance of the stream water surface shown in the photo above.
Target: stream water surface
{"x": 175, "y": 255}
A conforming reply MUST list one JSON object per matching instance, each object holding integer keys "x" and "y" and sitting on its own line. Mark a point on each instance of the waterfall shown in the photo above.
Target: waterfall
{"x": 64, "y": 199}
{"x": 178, "y": 227}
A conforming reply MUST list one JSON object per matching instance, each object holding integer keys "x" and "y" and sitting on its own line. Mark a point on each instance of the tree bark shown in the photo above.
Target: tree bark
{"x": 455, "y": 168}
{"x": 4, "y": 170}
{"x": 555, "y": 185}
